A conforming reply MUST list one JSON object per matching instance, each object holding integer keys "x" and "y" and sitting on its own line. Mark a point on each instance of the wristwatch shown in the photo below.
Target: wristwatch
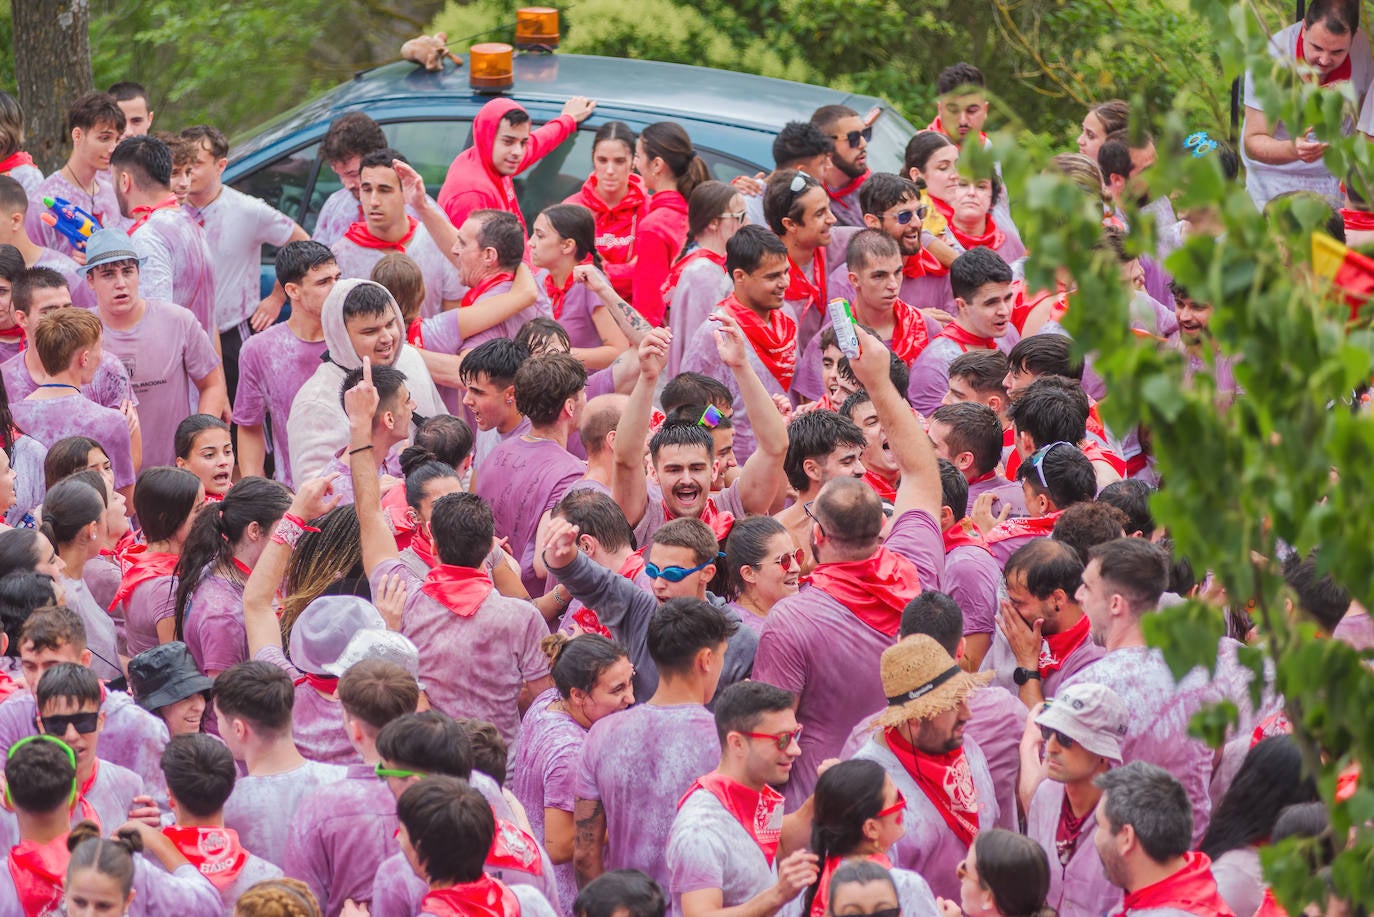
{"x": 1021, "y": 676}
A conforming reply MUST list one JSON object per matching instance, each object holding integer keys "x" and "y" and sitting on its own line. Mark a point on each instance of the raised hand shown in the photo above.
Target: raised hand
{"x": 560, "y": 548}
{"x": 315, "y": 497}
{"x": 360, "y": 402}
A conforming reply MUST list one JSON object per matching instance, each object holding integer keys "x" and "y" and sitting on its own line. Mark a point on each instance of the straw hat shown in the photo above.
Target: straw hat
{"x": 922, "y": 680}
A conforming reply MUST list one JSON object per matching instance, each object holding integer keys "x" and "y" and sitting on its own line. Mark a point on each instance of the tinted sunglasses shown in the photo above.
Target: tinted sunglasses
{"x": 789, "y": 561}
{"x": 1064, "y": 741}
{"x": 1038, "y": 461}
{"x": 676, "y": 574}
{"x": 782, "y": 740}
{"x": 83, "y": 723}
{"x": 903, "y": 217}
{"x": 854, "y": 137}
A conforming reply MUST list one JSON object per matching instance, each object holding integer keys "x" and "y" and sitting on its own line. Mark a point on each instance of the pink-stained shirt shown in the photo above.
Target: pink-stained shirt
{"x": 237, "y": 226}
{"x": 317, "y": 725}
{"x": 255, "y": 870}
{"x": 441, "y": 277}
{"x": 343, "y": 484}
{"x": 701, "y": 286}
{"x": 930, "y": 373}
{"x": 28, "y": 176}
{"x": 1355, "y": 629}
{"x": 1079, "y": 889}
{"x": 702, "y": 357}
{"x": 472, "y": 666}
{"x": 184, "y": 892}
{"x": 177, "y": 266}
{"x": 164, "y": 354}
{"x": 110, "y": 388}
{"x": 104, "y": 206}
{"x": 1002, "y": 661}
{"x": 808, "y": 384}
{"x": 926, "y": 292}
{"x": 749, "y": 617}
{"x": 262, "y": 809}
{"x": 709, "y": 848}
{"x": 83, "y": 296}
{"x": 340, "y": 834}
{"x": 102, "y": 575}
{"x": 543, "y": 774}
{"x": 101, "y": 638}
{"x": 930, "y": 847}
{"x": 726, "y": 501}
{"x": 440, "y": 334}
{"x": 151, "y": 601}
{"x": 50, "y": 419}
{"x": 972, "y": 577}
{"x": 273, "y": 365}
{"x": 214, "y": 629}
{"x": 521, "y": 480}
{"x": 109, "y": 799}
{"x": 797, "y": 653}
{"x": 639, "y": 763}
{"x": 576, "y": 316}
{"x": 341, "y": 210}
{"x": 1004, "y": 493}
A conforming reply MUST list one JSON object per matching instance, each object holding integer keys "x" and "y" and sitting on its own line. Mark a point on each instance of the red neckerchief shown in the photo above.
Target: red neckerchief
{"x": 992, "y": 237}
{"x": 1269, "y": 906}
{"x": 556, "y": 293}
{"x": 144, "y": 566}
{"x": 38, "y": 871}
{"x": 1095, "y": 453}
{"x": 13, "y": 335}
{"x": 243, "y": 568}
{"x": 88, "y": 810}
{"x": 1357, "y": 220}
{"x": 819, "y": 904}
{"x": 961, "y": 533}
{"x": 8, "y": 685}
{"x": 1055, "y": 648}
{"x": 775, "y": 343}
{"x": 759, "y": 813}
{"x": 1013, "y": 461}
{"x": 14, "y": 161}
{"x": 1069, "y": 831}
{"x": 909, "y": 335}
{"x": 1343, "y": 72}
{"x": 945, "y": 210}
{"x": 459, "y": 589}
{"x": 966, "y": 339}
{"x": 825, "y": 404}
{"x": 145, "y": 213}
{"x": 937, "y": 126}
{"x": 849, "y": 187}
{"x": 1034, "y": 527}
{"x": 720, "y": 522}
{"x": 1191, "y": 889}
{"x": 513, "y": 848}
{"x": 1094, "y": 424}
{"x": 415, "y": 333}
{"x": 360, "y": 235}
{"x": 422, "y": 543}
{"x": 1276, "y": 724}
{"x": 875, "y": 590}
{"x": 885, "y": 489}
{"x": 216, "y": 852}
{"x": 947, "y": 781}
{"x": 123, "y": 552}
{"x": 799, "y": 287}
{"x": 484, "y": 898}
{"x": 477, "y": 292}
{"x": 213, "y": 498}
{"x": 922, "y": 264}
{"x": 680, "y": 265}
{"x": 328, "y": 685}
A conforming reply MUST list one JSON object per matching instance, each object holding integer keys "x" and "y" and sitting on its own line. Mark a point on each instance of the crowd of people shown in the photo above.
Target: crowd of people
{"x": 571, "y": 564}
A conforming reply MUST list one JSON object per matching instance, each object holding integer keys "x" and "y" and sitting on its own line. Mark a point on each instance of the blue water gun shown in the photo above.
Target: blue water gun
{"x": 70, "y": 220}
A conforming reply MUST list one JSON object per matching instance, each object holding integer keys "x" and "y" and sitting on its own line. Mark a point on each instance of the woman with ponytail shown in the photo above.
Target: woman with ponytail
{"x": 593, "y": 678}
{"x": 697, "y": 279}
{"x": 165, "y": 501}
{"x": 1005, "y": 875}
{"x": 427, "y": 478}
{"x": 225, "y": 542}
{"x": 671, "y": 170}
{"x": 105, "y": 568}
{"x": 858, "y": 813}
{"x": 564, "y": 236}
{"x": 74, "y": 522}
{"x": 106, "y": 877}
{"x": 615, "y": 195}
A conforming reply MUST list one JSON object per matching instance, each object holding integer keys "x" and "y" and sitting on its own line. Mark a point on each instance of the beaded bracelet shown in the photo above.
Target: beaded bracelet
{"x": 290, "y": 529}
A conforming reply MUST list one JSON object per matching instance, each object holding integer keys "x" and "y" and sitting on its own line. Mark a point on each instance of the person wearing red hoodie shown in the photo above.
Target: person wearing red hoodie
{"x": 503, "y": 145}
{"x": 1144, "y": 832}
{"x": 671, "y": 170}
{"x": 616, "y": 197}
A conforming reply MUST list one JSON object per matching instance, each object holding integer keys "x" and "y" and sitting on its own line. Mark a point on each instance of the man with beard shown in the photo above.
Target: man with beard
{"x": 1199, "y": 348}
{"x": 848, "y": 163}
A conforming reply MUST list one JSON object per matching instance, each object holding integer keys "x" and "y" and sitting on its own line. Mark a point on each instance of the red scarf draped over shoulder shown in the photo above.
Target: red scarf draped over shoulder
{"x": 875, "y": 590}
{"x": 680, "y": 265}
{"x": 144, "y": 214}
{"x": 1032, "y": 526}
{"x": 961, "y": 533}
{"x": 992, "y": 237}
{"x": 144, "y": 566}
{"x": 967, "y": 340}
{"x": 775, "y": 342}
{"x": 1191, "y": 889}
{"x": 1055, "y": 648}
{"x": 14, "y": 161}
{"x": 38, "y": 871}
{"x": 909, "y": 334}
{"x": 459, "y": 589}
{"x": 486, "y": 897}
{"x": 477, "y": 292}
{"x": 947, "y": 781}
{"x": 360, "y": 235}
{"x": 800, "y": 287}
{"x": 216, "y": 852}
{"x": 759, "y": 813}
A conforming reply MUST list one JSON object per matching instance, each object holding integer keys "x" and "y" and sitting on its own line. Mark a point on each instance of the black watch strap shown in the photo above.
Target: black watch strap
{"x": 1021, "y": 676}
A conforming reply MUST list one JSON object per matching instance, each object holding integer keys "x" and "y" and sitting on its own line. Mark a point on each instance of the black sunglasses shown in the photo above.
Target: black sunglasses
{"x": 855, "y": 136}
{"x": 83, "y": 723}
{"x": 1064, "y": 741}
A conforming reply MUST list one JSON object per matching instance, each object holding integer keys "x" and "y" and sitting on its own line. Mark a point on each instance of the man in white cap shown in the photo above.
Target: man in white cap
{"x": 949, "y": 792}
{"x": 1080, "y": 733}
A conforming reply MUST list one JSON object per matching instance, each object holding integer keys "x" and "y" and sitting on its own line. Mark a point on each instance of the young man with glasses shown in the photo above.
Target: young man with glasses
{"x": 797, "y": 210}
{"x": 848, "y": 163}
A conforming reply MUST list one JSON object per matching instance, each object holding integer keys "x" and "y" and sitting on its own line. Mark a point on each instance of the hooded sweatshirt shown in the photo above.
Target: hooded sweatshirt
{"x": 615, "y": 229}
{"x": 318, "y": 427}
{"x": 473, "y": 183}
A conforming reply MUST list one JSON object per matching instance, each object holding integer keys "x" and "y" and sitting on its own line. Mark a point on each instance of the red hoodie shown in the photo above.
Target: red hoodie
{"x": 659, "y": 241}
{"x": 473, "y": 183}
{"x": 615, "y": 229}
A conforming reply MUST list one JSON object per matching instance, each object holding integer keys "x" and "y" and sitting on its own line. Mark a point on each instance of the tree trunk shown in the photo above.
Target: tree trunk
{"x": 52, "y": 63}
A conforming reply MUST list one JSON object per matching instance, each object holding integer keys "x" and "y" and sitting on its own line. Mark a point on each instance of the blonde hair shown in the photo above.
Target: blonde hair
{"x": 1082, "y": 171}
{"x": 278, "y": 898}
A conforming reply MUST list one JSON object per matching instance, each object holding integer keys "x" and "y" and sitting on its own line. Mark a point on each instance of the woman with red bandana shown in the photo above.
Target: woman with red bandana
{"x": 972, "y": 222}
{"x": 671, "y": 170}
{"x": 932, "y": 161}
{"x": 616, "y": 197}
{"x": 697, "y": 280}
{"x": 564, "y": 236}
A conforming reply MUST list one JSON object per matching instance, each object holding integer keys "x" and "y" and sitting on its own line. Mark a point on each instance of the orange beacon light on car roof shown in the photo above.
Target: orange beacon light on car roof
{"x": 536, "y": 27}
{"x": 491, "y": 67}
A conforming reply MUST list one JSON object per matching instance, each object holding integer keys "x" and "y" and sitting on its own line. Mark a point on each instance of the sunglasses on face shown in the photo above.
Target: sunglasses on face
{"x": 789, "y": 561}
{"x": 783, "y": 740}
{"x": 676, "y": 574}
{"x": 1064, "y": 741}
{"x": 903, "y": 217}
{"x": 854, "y": 137}
{"x": 83, "y": 723}
{"x": 1038, "y": 461}
{"x": 893, "y": 809}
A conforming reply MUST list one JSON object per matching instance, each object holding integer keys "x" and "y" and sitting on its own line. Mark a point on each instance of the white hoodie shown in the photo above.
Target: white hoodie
{"x": 318, "y": 427}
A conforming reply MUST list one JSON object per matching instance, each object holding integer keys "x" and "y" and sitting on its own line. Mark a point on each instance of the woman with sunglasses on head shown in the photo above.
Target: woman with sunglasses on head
{"x": 671, "y": 170}
{"x": 74, "y": 521}
{"x": 1004, "y": 875}
{"x": 593, "y": 679}
{"x": 697, "y": 280}
{"x": 764, "y": 564}
{"x": 618, "y": 201}
{"x": 564, "y": 237}
{"x": 858, "y": 812}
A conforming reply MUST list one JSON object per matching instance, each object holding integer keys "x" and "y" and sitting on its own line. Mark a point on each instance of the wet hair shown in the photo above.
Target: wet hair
{"x": 953, "y": 489}
{"x": 112, "y": 857}
{"x": 367, "y": 300}
{"x": 1318, "y": 594}
{"x": 327, "y": 562}
{"x": 846, "y": 796}
{"x": 1339, "y": 17}
{"x": 936, "y": 615}
{"x": 281, "y": 897}
{"x": 462, "y": 528}
{"x": 681, "y": 433}
{"x": 616, "y": 131}
{"x": 1153, "y": 802}
{"x": 199, "y": 770}
{"x": 93, "y": 109}
{"x": 11, "y": 125}
{"x": 20, "y": 593}
{"x": 376, "y": 692}
{"x": 489, "y": 752}
{"x": 815, "y": 435}
{"x": 428, "y": 741}
{"x": 353, "y": 134}
{"x": 919, "y": 149}
{"x": 147, "y": 160}
{"x": 497, "y": 359}
{"x": 799, "y": 141}
{"x": 747, "y": 546}
{"x": 984, "y": 369}
{"x": 749, "y": 247}
{"x": 450, "y": 825}
{"x": 420, "y": 468}
{"x": 296, "y": 259}
{"x": 184, "y": 440}
{"x": 388, "y": 381}
{"x": 741, "y": 705}
{"x": 1069, "y": 475}
{"x": 598, "y": 515}
{"x": 218, "y": 529}
{"x": 868, "y": 245}
{"x": 163, "y": 499}
{"x": 667, "y": 140}
{"x": 1132, "y": 497}
{"x": 1089, "y": 523}
{"x": 1270, "y": 779}
{"x": 1051, "y": 409}
{"x": 708, "y": 201}
{"x": 683, "y": 627}
{"x": 883, "y": 191}
{"x": 694, "y": 388}
{"x": 959, "y": 76}
{"x": 851, "y": 404}
{"x": 573, "y": 221}
{"x": 39, "y": 777}
{"x": 11, "y": 263}
{"x": 68, "y": 456}
{"x": 627, "y": 889}
{"x": 1045, "y": 355}
{"x": 447, "y": 438}
{"x": 975, "y": 269}
{"x": 69, "y": 681}
{"x": 1135, "y": 569}
{"x": 52, "y": 627}
{"x": 62, "y": 334}
{"x": 211, "y": 139}
{"x": 258, "y": 692}
{"x": 543, "y": 385}
{"x": 1016, "y": 870}
{"x": 537, "y": 333}
{"x": 31, "y": 280}
{"x": 973, "y": 428}
{"x": 598, "y": 419}
{"x": 68, "y": 507}
{"x": 1046, "y": 564}
{"x": 780, "y": 202}
{"x": 402, "y": 278}
{"x": 580, "y": 661}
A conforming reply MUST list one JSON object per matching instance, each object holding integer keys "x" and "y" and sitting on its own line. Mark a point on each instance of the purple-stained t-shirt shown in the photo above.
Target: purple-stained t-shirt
{"x": 639, "y": 763}
{"x": 184, "y": 892}
{"x": 702, "y": 285}
{"x": 930, "y": 373}
{"x": 709, "y": 848}
{"x": 752, "y": 619}
{"x": 340, "y": 834}
{"x": 151, "y": 601}
{"x": 343, "y": 484}
{"x": 83, "y": 296}
{"x": 50, "y": 419}
{"x": 440, "y": 334}
{"x": 702, "y": 357}
{"x": 1079, "y": 888}
{"x": 1356, "y": 629}
{"x": 972, "y": 578}
{"x": 521, "y": 480}
{"x": 237, "y": 226}
{"x": 341, "y": 210}
{"x": 317, "y": 725}
{"x": 255, "y": 870}
{"x": 164, "y": 354}
{"x": 263, "y": 808}
{"x": 930, "y": 847}
{"x": 797, "y": 652}
{"x": 177, "y": 266}
{"x": 214, "y": 629}
{"x": 807, "y": 383}
{"x": 727, "y": 501}
{"x": 104, "y": 206}
{"x": 576, "y": 316}
{"x": 102, "y": 575}
{"x": 441, "y": 277}
{"x": 28, "y": 176}
{"x": 273, "y": 366}
{"x": 472, "y": 666}
{"x": 110, "y": 388}
{"x": 1002, "y": 661}
{"x": 101, "y": 639}
{"x": 397, "y": 891}
{"x": 107, "y": 802}
{"x": 542, "y": 776}
{"x": 1005, "y": 493}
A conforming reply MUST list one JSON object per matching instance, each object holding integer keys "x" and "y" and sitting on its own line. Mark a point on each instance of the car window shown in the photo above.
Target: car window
{"x": 887, "y": 149}
{"x": 282, "y": 183}
{"x": 429, "y": 146}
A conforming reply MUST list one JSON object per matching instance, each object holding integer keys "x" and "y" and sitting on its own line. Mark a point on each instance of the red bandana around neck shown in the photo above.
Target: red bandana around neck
{"x": 820, "y": 905}
{"x": 1069, "y": 831}
{"x": 422, "y": 543}
{"x": 875, "y": 590}
{"x": 558, "y": 294}
{"x": 1026, "y": 526}
{"x": 675, "y": 272}
{"x": 216, "y": 852}
{"x": 966, "y": 339}
{"x": 1357, "y": 220}
{"x": 947, "y": 781}
{"x": 945, "y": 210}
{"x": 145, "y": 213}
{"x": 1191, "y": 889}
{"x": 885, "y": 489}
{"x": 849, "y": 187}
{"x": 909, "y": 335}
{"x": 1341, "y": 73}
{"x": 477, "y": 292}
{"x": 459, "y": 589}
{"x": 992, "y": 237}
{"x": 1055, "y": 648}
{"x": 774, "y": 342}
{"x": 720, "y": 521}
{"x": 38, "y": 871}
{"x": 14, "y": 161}
{"x": 513, "y": 848}
{"x": 760, "y": 813}
{"x": 144, "y": 566}
{"x": 87, "y": 810}
{"x": 328, "y": 685}
{"x": 799, "y": 286}
{"x": 922, "y": 264}
{"x": 961, "y": 533}
{"x": 484, "y": 898}
{"x": 360, "y": 235}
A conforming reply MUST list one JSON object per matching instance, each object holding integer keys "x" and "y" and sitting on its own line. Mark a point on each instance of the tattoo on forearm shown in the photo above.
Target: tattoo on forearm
{"x": 631, "y": 316}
